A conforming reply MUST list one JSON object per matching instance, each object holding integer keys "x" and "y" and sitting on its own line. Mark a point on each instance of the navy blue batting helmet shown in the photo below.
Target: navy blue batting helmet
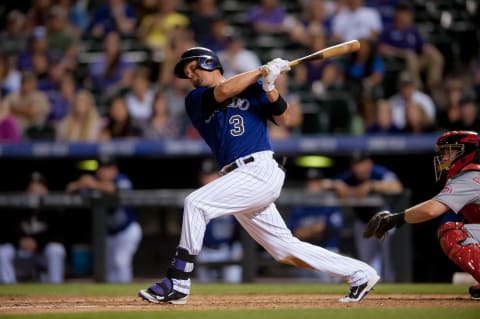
{"x": 207, "y": 60}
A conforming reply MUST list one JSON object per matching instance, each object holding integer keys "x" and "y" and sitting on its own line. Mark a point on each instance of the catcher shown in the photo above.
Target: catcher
{"x": 457, "y": 167}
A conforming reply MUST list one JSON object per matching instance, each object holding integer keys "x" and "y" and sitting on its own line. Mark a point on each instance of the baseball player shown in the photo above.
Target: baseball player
{"x": 231, "y": 115}
{"x": 457, "y": 167}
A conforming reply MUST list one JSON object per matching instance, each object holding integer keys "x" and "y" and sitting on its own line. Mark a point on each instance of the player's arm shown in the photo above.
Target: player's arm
{"x": 425, "y": 211}
{"x": 235, "y": 85}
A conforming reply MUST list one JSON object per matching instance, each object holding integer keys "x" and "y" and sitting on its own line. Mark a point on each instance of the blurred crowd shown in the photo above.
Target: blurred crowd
{"x": 93, "y": 71}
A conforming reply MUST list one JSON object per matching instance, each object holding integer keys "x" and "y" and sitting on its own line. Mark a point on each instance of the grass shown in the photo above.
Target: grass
{"x": 74, "y": 289}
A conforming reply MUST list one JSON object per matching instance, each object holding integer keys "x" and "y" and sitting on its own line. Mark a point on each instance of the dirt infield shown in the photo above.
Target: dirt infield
{"x": 37, "y": 305}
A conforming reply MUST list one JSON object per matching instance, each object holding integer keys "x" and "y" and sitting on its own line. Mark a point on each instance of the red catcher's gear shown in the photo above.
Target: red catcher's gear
{"x": 455, "y": 150}
{"x": 451, "y": 235}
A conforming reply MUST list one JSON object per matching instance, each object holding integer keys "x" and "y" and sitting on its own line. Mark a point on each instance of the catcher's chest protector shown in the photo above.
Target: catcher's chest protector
{"x": 455, "y": 244}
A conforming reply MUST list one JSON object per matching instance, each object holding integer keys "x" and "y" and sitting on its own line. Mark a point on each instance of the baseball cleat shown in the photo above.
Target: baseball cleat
{"x": 163, "y": 292}
{"x": 474, "y": 292}
{"x": 357, "y": 293}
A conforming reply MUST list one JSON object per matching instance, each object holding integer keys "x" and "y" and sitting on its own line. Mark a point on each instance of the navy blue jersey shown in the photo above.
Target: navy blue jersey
{"x": 232, "y": 129}
{"x": 120, "y": 218}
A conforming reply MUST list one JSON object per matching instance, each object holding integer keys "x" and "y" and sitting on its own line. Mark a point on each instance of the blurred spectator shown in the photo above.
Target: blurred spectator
{"x": 407, "y": 92}
{"x": 112, "y": 72}
{"x": 10, "y": 77}
{"x": 14, "y": 38}
{"x": 362, "y": 178}
{"x": 236, "y": 58}
{"x": 356, "y": 21}
{"x": 139, "y": 99}
{"x": 469, "y": 120}
{"x": 37, "y": 15}
{"x": 83, "y": 122}
{"x": 161, "y": 124}
{"x": 176, "y": 93}
{"x": 119, "y": 122}
{"x": 294, "y": 109}
{"x": 221, "y": 242}
{"x": 417, "y": 120}
{"x": 145, "y": 7}
{"x": 77, "y": 14}
{"x": 319, "y": 76}
{"x": 383, "y": 122}
{"x": 364, "y": 73}
{"x": 404, "y": 40}
{"x": 9, "y": 129}
{"x": 386, "y": 9}
{"x": 476, "y": 77}
{"x": 318, "y": 225}
{"x": 113, "y": 16}
{"x": 315, "y": 20}
{"x": 267, "y": 17}
{"x": 124, "y": 231}
{"x": 204, "y": 14}
{"x": 61, "y": 36}
{"x": 157, "y": 29}
{"x": 29, "y": 106}
{"x": 37, "y": 44}
{"x": 220, "y": 32}
{"x": 36, "y": 251}
{"x": 449, "y": 112}
{"x": 62, "y": 99}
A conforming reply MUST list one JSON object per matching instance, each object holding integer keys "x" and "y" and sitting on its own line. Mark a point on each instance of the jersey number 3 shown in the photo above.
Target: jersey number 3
{"x": 237, "y": 122}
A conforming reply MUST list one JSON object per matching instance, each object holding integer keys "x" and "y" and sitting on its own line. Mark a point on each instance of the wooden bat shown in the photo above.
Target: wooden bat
{"x": 334, "y": 50}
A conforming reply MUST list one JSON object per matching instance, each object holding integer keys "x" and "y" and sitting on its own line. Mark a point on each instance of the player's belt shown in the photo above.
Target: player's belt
{"x": 281, "y": 163}
{"x": 234, "y": 165}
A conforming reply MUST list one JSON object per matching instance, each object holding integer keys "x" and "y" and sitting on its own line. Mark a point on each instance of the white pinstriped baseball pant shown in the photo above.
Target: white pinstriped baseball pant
{"x": 248, "y": 193}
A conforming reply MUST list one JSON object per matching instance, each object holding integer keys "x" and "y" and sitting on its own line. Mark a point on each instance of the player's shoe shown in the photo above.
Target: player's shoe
{"x": 357, "y": 293}
{"x": 169, "y": 290}
{"x": 474, "y": 292}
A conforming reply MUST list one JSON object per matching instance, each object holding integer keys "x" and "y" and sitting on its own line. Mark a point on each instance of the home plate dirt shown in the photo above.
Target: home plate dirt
{"x": 69, "y": 304}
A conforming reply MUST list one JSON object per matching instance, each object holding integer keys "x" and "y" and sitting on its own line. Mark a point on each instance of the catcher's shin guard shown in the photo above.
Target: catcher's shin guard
{"x": 460, "y": 248}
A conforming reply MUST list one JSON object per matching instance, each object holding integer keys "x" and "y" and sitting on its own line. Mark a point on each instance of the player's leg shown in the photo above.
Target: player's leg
{"x": 7, "y": 270}
{"x": 55, "y": 256}
{"x": 250, "y": 187}
{"x": 268, "y": 228}
{"x": 461, "y": 244}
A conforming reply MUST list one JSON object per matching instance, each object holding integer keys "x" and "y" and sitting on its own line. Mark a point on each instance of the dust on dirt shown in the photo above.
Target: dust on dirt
{"x": 69, "y": 304}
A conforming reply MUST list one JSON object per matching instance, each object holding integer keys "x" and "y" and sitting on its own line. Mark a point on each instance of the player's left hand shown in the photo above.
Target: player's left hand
{"x": 381, "y": 223}
{"x": 283, "y": 65}
{"x": 270, "y": 74}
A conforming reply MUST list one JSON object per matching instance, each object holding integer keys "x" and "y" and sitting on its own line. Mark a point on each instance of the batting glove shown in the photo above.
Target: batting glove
{"x": 280, "y": 63}
{"x": 271, "y": 73}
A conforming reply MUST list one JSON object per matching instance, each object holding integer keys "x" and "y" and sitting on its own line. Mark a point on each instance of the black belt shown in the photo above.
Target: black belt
{"x": 281, "y": 163}
{"x": 234, "y": 165}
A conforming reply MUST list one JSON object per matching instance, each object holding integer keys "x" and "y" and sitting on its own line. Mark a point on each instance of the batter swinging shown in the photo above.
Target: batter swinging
{"x": 231, "y": 115}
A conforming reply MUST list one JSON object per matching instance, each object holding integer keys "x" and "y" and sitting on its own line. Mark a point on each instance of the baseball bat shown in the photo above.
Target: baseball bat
{"x": 329, "y": 52}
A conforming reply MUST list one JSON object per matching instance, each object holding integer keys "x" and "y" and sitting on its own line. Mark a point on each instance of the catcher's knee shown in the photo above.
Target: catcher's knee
{"x": 460, "y": 248}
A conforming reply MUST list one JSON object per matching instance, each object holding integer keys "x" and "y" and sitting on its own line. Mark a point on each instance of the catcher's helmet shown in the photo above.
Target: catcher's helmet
{"x": 207, "y": 60}
{"x": 455, "y": 149}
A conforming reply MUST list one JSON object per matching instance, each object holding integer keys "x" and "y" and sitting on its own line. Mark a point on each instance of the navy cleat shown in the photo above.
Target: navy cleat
{"x": 474, "y": 292}
{"x": 167, "y": 291}
{"x": 357, "y": 293}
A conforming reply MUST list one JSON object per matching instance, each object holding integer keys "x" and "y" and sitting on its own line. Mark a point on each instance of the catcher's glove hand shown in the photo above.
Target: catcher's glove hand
{"x": 382, "y": 222}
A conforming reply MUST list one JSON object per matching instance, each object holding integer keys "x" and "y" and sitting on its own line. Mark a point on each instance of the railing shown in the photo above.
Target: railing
{"x": 98, "y": 204}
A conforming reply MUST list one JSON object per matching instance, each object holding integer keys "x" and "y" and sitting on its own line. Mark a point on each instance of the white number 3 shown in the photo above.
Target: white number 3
{"x": 237, "y": 122}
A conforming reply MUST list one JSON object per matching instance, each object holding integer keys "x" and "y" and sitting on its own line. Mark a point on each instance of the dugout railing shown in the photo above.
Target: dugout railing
{"x": 98, "y": 204}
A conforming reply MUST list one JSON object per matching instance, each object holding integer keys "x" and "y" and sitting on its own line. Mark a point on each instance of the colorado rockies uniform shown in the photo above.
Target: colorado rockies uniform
{"x": 237, "y": 134}
{"x": 236, "y": 131}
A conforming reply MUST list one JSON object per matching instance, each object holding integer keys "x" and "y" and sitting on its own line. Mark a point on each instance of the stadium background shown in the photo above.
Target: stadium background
{"x": 153, "y": 171}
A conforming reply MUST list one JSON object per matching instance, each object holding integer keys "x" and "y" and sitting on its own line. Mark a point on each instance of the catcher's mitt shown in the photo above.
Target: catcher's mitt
{"x": 382, "y": 222}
